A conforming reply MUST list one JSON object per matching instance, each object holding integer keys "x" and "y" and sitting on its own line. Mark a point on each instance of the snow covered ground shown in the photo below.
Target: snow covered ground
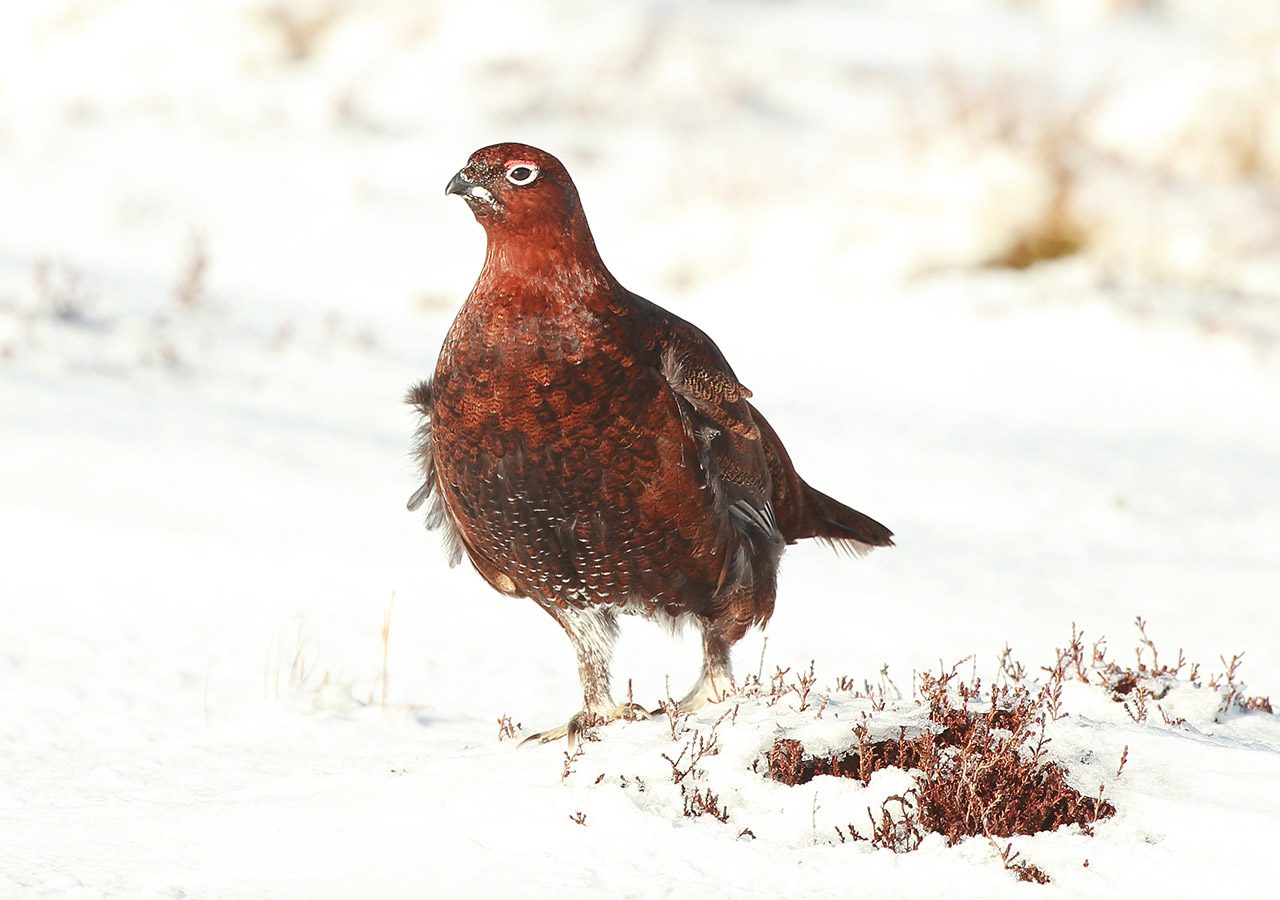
{"x": 224, "y": 255}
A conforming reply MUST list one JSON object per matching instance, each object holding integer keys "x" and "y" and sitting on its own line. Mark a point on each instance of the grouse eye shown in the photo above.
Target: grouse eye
{"x": 522, "y": 174}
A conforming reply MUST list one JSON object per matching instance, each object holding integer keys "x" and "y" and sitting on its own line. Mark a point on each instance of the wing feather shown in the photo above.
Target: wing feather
{"x": 718, "y": 420}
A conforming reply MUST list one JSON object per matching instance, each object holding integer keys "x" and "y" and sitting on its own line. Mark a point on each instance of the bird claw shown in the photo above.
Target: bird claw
{"x": 583, "y": 720}
{"x": 634, "y": 712}
{"x": 546, "y": 737}
{"x": 705, "y": 692}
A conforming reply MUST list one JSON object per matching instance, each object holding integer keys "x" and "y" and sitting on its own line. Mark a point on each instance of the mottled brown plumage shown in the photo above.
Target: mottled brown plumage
{"x": 588, "y": 449}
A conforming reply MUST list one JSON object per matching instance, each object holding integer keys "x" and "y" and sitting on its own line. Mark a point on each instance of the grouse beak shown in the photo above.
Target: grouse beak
{"x": 457, "y": 185}
{"x": 478, "y": 197}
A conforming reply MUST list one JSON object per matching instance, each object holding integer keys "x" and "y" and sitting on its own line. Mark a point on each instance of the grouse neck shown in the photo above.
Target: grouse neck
{"x": 556, "y": 263}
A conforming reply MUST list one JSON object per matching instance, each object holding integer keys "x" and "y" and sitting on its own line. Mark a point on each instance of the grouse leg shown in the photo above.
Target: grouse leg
{"x": 717, "y": 673}
{"x": 592, "y": 630}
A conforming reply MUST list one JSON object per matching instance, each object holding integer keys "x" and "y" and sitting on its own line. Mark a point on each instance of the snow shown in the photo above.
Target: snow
{"x": 202, "y": 501}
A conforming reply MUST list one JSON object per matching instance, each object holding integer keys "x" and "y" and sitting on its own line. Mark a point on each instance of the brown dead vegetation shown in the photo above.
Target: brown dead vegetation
{"x": 1148, "y": 680}
{"x": 982, "y": 772}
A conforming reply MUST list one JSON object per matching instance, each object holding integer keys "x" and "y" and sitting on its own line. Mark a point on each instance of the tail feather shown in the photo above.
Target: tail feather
{"x": 841, "y": 526}
{"x": 804, "y": 512}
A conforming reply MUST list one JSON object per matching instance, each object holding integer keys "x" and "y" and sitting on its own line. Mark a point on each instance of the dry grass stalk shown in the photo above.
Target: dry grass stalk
{"x": 695, "y": 749}
{"x": 702, "y": 802}
{"x": 189, "y": 292}
{"x": 677, "y": 719}
{"x": 386, "y": 639}
{"x": 506, "y": 728}
{"x": 571, "y": 757}
{"x": 1151, "y": 680}
{"x": 1014, "y": 863}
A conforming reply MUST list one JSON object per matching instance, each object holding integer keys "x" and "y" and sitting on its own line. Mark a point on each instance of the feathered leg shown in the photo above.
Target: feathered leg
{"x": 592, "y": 631}
{"x": 717, "y": 671}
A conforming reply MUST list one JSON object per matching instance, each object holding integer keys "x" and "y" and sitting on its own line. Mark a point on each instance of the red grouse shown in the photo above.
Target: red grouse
{"x": 588, "y": 449}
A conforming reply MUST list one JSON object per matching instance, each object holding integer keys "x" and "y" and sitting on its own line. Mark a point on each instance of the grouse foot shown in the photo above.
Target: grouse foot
{"x": 584, "y": 719}
{"x": 710, "y": 689}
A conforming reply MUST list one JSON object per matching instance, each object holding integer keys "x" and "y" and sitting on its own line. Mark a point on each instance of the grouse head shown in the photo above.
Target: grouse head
{"x": 515, "y": 187}
{"x": 530, "y": 210}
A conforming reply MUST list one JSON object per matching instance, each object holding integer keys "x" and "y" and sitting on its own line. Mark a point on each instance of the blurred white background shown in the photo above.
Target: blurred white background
{"x": 821, "y": 150}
